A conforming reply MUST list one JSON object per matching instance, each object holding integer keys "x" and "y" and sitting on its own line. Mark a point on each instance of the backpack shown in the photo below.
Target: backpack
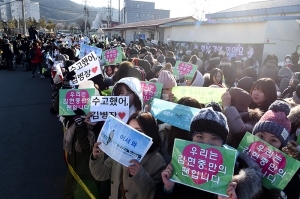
{"x": 32, "y": 53}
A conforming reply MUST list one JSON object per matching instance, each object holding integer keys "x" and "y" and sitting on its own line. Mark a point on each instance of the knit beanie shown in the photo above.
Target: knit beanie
{"x": 209, "y": 121}
{"x": 167, "y": 79}
{"x": 275, "y": 121}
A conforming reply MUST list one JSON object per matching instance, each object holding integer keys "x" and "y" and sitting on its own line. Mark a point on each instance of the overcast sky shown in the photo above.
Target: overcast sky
{"x": 180, "y": 8}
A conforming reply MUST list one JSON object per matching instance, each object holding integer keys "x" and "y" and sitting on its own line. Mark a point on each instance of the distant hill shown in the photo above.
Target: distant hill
{"x": 67, "y": 10}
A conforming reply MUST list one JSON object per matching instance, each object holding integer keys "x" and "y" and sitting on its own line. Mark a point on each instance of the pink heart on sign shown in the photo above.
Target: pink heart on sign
{"x": 149, "y": 91}
{"x": 209, "y": 157}
{"x": 184, "y": 68}
{"x": 267, "y": 156}
{"x": 77, "y": 99}
{"x": 121, "y": 115}
{"x": 94, "y": 70}
{"x": 111, "y": 55}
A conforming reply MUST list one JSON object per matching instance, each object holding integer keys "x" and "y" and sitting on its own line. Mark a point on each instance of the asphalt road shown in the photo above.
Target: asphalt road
{"x": 31, "y": 154}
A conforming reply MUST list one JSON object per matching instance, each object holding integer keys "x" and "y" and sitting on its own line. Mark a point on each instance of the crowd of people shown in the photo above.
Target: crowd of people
{"x": 264, "y": 102}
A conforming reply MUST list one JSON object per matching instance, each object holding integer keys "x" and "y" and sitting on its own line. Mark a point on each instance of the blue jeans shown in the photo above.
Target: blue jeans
{"x": 34, "y": 66}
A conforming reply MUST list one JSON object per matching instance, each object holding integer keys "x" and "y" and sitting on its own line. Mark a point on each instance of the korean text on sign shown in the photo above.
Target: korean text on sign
{"x": 277, "y": 168}
{"x": 102, "y": 106}
{"x": 202, "y": 166}
{"x": 86, "y": 68}
{"x": 71, "y": 99}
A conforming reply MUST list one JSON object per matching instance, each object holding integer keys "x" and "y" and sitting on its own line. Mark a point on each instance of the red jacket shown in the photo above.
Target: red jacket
{"x": 38, "y": 56}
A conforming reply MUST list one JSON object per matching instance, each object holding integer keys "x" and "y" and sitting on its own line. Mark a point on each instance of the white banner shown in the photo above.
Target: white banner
{"x": 86, "y": 68}
{"x": 123, "y": 143}
{"x": 102, "y": 106}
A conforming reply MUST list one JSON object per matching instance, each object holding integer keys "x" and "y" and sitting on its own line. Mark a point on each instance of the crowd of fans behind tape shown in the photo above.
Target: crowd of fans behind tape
{"x": 264, "y": 102}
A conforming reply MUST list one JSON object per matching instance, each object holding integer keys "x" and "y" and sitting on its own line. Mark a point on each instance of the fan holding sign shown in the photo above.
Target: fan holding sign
{"x": 133, "y": 161}
{"x": 128, "y": 86}
{"x": 202, "y": 166}
{"x": 279, "y": 170}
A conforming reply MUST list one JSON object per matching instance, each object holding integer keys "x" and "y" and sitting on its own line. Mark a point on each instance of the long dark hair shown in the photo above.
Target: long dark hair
{"x": 175, "y": 132}
{"x": 149, "y": 127}
{"x": 268, "y": 87}
{"x": 136, "y": 101}
{"x": 214, "y": 73}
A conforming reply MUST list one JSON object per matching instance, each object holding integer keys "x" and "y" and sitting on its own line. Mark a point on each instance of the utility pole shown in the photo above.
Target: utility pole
{"x": 24, "y": 20}
{"x": 85, "y": 12}
{"x": 109, "y": 17}
{"x": 119, "y": 11}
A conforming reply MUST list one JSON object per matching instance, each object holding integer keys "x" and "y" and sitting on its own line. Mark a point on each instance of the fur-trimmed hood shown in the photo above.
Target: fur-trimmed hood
{"x": 294, "y": 116}
{"x": 134, "y": 85}
{"x": 249, "y": 177}
{"x": 253, "y": 115}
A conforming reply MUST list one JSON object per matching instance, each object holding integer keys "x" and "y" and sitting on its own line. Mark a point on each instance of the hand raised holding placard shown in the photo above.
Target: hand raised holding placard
{"x": 96, "y": 150}
{"x": 134, "y": 169}
{"x": 230, "y": 191}
{"x": 226, "y": 99}
{"x": 88, "y": 119}
{"x": 166, "y": 175}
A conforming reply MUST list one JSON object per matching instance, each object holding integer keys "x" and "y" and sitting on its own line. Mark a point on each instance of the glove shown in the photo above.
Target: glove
{"x": 79, "y": 122}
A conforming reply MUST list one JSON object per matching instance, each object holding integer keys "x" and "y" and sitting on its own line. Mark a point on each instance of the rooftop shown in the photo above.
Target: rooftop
{"x": 150, "y": 23}
{"x": 263, "y": 5}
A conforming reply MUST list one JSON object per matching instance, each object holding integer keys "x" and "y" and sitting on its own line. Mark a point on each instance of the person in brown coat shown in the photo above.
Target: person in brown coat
{"x": 139, "y": 180}
{"x": 240, "y": 118}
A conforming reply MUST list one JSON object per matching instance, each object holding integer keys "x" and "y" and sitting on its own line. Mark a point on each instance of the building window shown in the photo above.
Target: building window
{"x": 137, "y": 5}
{"x": 137, "y": 15}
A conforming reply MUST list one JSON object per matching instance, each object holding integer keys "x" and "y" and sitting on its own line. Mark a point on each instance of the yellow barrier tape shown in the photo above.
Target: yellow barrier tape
{"x": 74, "y": 174}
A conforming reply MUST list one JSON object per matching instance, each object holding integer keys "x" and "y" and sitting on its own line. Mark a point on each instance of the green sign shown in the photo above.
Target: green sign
{"x": 277, "y": 167}
{"x": 106, "y": 92}
{"x": 112, "y": 56}
{"x": 71, "y": 99}
{"x": 204, "y": 95}
{"x": 150, "y": 91}
{"x": 183, "y": 69}
{"x": 202, "y": 166}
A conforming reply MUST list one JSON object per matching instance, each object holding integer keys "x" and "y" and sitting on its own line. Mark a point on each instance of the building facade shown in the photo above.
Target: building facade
{"x": 13, "y": 10}
{"x": 5, "y": 10}
{"x": 271, "y": 27}
{"x": 136, "y": 11}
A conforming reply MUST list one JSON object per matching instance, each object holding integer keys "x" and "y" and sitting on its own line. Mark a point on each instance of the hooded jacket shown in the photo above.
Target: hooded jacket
{"x": 239, "y": 123}
{"x": 285, "y": 74}
{"x": 135, "y": 86}
{"x": 199, "y": 80}
{"x": 294, "y": 100}
{"x": 269, "y": 70}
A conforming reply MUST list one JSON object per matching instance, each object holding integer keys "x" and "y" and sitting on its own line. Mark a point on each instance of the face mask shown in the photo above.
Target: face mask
{"x": 287, "y": 60}
{"x": 165, "y": 96}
